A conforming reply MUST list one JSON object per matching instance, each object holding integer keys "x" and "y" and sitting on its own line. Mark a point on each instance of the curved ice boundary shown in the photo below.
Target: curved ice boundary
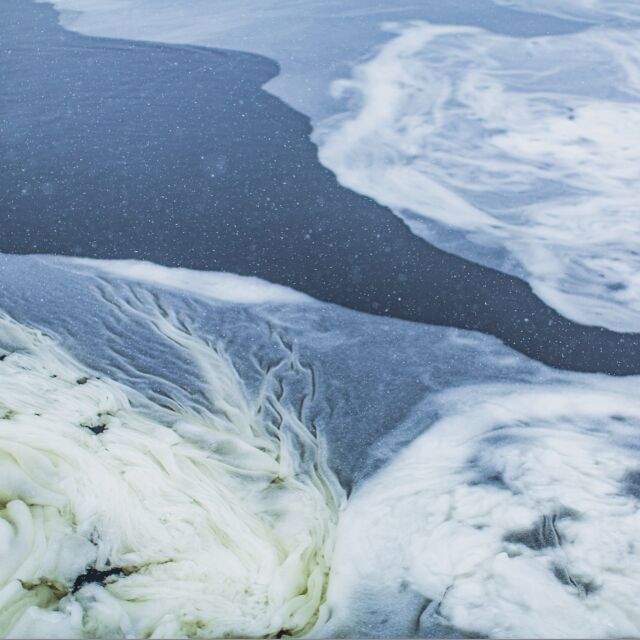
{"x": 620, "y": 12}
{"x": 516, "y": 152}
{"x": 504, "y": 135}
{"x": 169, "y": 448}
{"x": 515, "y": 515}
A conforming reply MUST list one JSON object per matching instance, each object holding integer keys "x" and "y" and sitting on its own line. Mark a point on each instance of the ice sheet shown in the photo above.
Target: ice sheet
{"x": 523, "y": 146}
{"x": 157, "y": 439}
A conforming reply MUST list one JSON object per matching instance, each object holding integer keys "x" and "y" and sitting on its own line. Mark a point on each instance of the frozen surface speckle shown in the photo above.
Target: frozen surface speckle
{"x": 486, "y": 494}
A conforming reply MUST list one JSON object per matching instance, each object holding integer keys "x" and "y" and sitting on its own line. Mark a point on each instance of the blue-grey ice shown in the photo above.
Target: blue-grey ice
{"x": 202, "y": 454}
{"x": 199, "y": 454}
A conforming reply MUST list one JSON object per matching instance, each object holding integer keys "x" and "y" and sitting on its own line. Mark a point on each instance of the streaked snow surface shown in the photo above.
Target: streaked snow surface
{"x": 202, "y": 454}
{"x": 505, "y": 132}
{"x": 191, "y": 441}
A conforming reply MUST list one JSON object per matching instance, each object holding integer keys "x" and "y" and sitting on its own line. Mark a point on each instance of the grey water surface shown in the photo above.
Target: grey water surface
{"x": 175, "y": 154}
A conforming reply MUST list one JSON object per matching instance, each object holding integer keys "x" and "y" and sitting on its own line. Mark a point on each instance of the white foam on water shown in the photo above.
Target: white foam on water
{"x": 313, "y": 41}
{"x": 310, "y": 39}
{"x": 522, "y": 146}
{"x": 526, "y": 145}
{"x": 221, "y": 522}
{"x": 512, "y": 516}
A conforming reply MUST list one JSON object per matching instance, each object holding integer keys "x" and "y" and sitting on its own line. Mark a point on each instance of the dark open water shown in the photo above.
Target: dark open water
{"x": 117, "y": 149}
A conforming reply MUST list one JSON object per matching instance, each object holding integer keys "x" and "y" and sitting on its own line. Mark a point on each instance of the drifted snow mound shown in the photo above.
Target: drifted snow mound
{"x": 120, "y": 517}
{"x": 516, "y": 515}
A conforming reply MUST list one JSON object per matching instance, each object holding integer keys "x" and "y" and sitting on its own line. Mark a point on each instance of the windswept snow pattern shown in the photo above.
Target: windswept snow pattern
{"x": 203, "y": 454}
{"x": 619, "y": 12}
{"x": 122, "y": 517}
{"x": 181, "y": 463}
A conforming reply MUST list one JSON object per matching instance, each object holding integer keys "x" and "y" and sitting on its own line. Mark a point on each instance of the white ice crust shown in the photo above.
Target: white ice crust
{"x": 218, "y": 522}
